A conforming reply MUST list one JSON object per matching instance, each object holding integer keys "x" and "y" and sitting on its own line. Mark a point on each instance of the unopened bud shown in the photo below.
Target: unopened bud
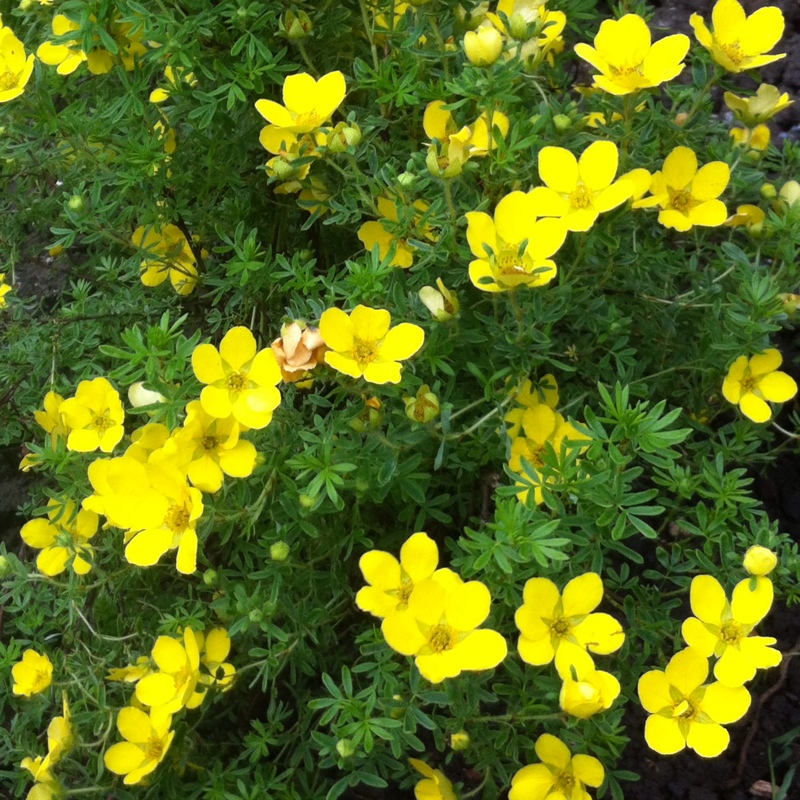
{"x": 759, "y": 560}
{"x": 518, "y": 27}
{"x": 281, "y": 168}
{"x": 459, "y": 740}
{"x": 407, "y": 180}
{"x": 680, "y": 119}
{"x": 424, "y": 407}
{"x": 343, "y": 136}
{"x": 256, "y": 615}
{"x": 768, "y": 191}
{"x": 5, "y": 566}
{"x": 562, "y": 122}
{"x": 75, "y": 203}
{"x": 296, "y": 25}
{"x": 139, "y": 396}
{"x": 279, "y": 551}
{"x": 210, "y": 577}
{"x": 483, "y": 47}
{"x": 345, "y": 748}
{"x": 307, "y": 501}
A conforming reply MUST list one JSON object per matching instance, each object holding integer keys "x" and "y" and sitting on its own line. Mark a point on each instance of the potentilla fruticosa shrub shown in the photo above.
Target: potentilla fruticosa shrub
{"x": 396, "y": 395}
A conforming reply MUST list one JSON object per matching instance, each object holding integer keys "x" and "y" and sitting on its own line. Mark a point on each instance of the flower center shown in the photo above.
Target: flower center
{"x": 101, "y": 422}
{"x": 237, "y": 381}
{"x": 177, "y": 519}
{"x": 441, "y": 638}
{"x": 684, "y": 710}
{"x": 154, "y": 749}
{"x": 8, "y": 80}
{"x": 403, "y": 593}
{"x": 733, "y": 50}
{"x": 40, "y": 678}
{"x": 560, "y": 627}
{"x": 731, "y": 632}
{"x": 682, "y": 201}
{"x": 308, "y": 119}
{"x": 581, "y": 197}
{"x": 626, "y": 71}
{"x": 565, "y": 783}
{"x": 209, "y": 443}
{"x": 510, "y": 260}
{"x": 364, "y": 351}
{"x": 749, "y": 384}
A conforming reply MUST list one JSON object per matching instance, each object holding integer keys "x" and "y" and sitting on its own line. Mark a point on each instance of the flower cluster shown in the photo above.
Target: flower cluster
{"x": 430, "y": 613}
{"x": 60, "y": 738}
{"x": 185, "y": 669}
{"x": 685, "y": 710}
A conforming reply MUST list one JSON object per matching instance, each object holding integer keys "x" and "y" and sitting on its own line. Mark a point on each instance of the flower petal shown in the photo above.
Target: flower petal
{"x": 711, "y": 180}
{"x": 558, "y": 168}
{"x": 207, "y": 364}
{"x": 381, "y": 570}
{"x": 663, "y": 735}
{"x": 680, "y": 167}
{"x": 336, "y": 330}
{"x": 582, "y": 595}
{"x": 123, "y": 757}
{"x": 686, "y": 671}
{"x": 598, "y": 165}
{"x": 481, "y": 231}
{"x": 419, "y": 556}
{"x": 134, "y": 724}
{"x": 552, "y": 751}
{"x": 482, "y": 649}
{"x": 468, "y": 606}
{"x": 750, "y": 606}
{"x": 707, "y": 740}
{"x": 777, "y": 387}
{"x": 708, "y": 599}
{"x": 401, "y": 342}
{"x": 754, "y": 408}
{"x": 402, "y": 633}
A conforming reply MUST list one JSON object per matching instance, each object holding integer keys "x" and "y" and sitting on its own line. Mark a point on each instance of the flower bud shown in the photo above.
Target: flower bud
{"x": 424, "y": 407}
{"x": 768, "y": 191}
{"x": 483, "y": 47}
{"x": 306, "y": 501}
{"x": 256, "y": 615}
{"x": 789, "y": 193}
{"x": 279, "y": 551}
{"x": 281, "y": 168}
{"x": 440, "y": 165}
{"x": 5, "y": 566}
{"x": 443, "y": 304}
{"x": 459, "y": 740}
{"x": 759, "y": 560}
{"x": 680, "y": 119}
{"x": 345, "y": 748}
{"x": 75, "y": 203}
{"x": 562, "y": 122}
{"x": 518, "y": 27}
{"x": 299, "y": 349}
{"x": 138, "y": 396}
{"x": 471, "y": 19}
{"x": 210, "y": 577}
{"x": 791, "y": 303}
{"x": 370, "y": 418}
{"x": 343, "y": 136}
{"x": 26, "y": 5}
{"x": 296, "y": 25}
{"x": 407, "y": 180}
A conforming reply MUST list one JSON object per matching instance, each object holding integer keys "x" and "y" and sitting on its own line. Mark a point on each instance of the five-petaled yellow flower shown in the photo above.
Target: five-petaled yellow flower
{"x": 167, "y": 253}
{"x": 391, "y": 581}
{"x": 687, "y": 195}
{"x": 33, "y": 674}
{"x": 307, "y": 103}
{"x": 626, "y": 58}
{"x": 434, "y": 786}
{"x": 148, "y": 739}
{"x": 739, "y": 42}
{"x": 684, "y": 711}
{"x": 587, "y": 691}
{"x": 751, "y": 382}
{"x": 514, "y": 248}
{"x": 560, "y": 776}
{"x": 242, "y": 380}
{"x": 765, "y": 104}
{"x": 578, "y": 191}
{"x": 15, "y": 68}
{"x": 364, "y": 345}
{"x": 94, "y": 417}
{"x": 723, "y": 629}
{"x": 563, "y": 627}
{"x": 62, "y": 538}
{"x": 439, "y": 628}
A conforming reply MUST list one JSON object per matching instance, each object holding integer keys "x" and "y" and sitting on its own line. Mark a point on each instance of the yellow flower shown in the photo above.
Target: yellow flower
{"x": 4, "y": 289}
{"x": 215, "y": 650}
{"x": 684, "y": 711}
{"x": 15, "y": 68}
{"x": 688, "y": 195}
{"x": 67, "y": 57}
{"x": 63, "y": 539}
{"x": 212, "y": 447}
{"x": 442, "y": 302}
{"x": 552, "y": 625}
{"x": 307, "y": 103}
{"x": 167, "y": 253}
{"x": 314, "y": 197}
{"x": 174, "y": 685}
{"x": 738, "y": 42}
{"x": 528, "y": 395}
{"x": 578, "y": 191}
{"x": 133, "y": 672}
{"x": 755, "y": 139}
{"x": 747, "y": 216}
{"x": 767, "y": 102}
{"x": 46, "y": 787}
{"x": 391, "y": 581}
{"x": 760, "y": 561}
{"x": 147, "y": 440}
{"x": 377, "y": 232}
{"x": 514, "y": 248}
{"x": 60, "y": 734}
{"x": 483, "y": 46}
{"x": 148, "y": 739}
{"x": 33, "y": 674}
{"x": 435, "y": 785}
{"x": 439, "y": 628}
{"x": 174, "y": 77}
{"x": 750, "y": 383}
{"x": 364, "y": 345}
{"x": 52, "y": 418}
{"x": 627, "y": 60}
{"x": 723, "y": 629}
{"x": 530, "y": 16}
{"x": 154, "y": 503}
{"x": 94, "y": 417}
{"x": 587, "y": 691}
{"x": 560, "y": 775}
{"x": 241, "y": 379}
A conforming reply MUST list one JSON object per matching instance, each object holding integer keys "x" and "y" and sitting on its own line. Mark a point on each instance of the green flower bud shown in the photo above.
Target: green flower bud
{"x": 345, "y": 748}
{"x": 256, "y": 615}
{"x": 768, "y": 191}
{"x": 407, "y": 180}
{"x": 518, "y": 27}
{"x": 562, "y": 122}
{"x": 279, "y": 551}
{"x": 76, "y": 203}
{"x": 307, "y": 501}
{"x": 343, "y": 136}
{"x": 296, "y": 25}
{"x": 210, "y": 577}
{"x": 5, "y": 566}
{"x": 424, "y": 407}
